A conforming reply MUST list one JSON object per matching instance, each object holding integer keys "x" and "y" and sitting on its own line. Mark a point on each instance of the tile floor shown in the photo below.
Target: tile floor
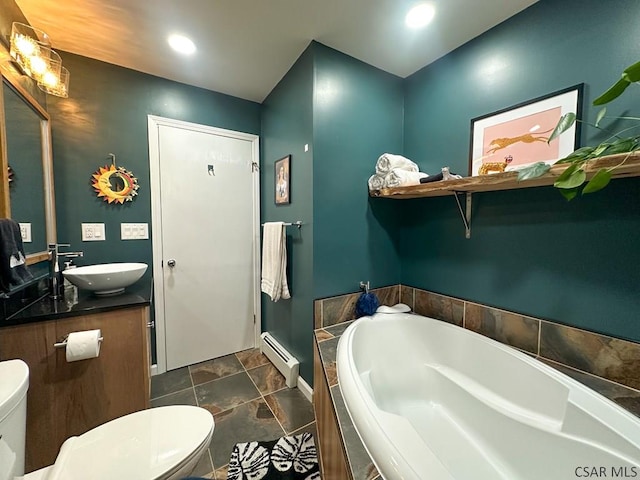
{"x": 248, "y": 398}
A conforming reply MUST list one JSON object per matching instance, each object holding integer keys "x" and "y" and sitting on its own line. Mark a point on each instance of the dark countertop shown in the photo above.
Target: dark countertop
{"x": 77, "y": 302}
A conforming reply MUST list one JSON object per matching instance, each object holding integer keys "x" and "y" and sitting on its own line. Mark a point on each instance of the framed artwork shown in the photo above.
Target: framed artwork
{"x": 282, "y": 175}
{"x": 517, "y": 136}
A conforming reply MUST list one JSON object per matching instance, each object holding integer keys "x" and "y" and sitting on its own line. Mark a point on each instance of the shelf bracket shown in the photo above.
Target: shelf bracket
{"x": 466, "y": 213}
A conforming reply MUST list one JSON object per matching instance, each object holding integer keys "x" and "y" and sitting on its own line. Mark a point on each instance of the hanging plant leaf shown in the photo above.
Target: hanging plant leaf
{"x": 614, "y": 92}
{"x": 600, "y": 180}
{"x": 563, "y": 125}
{"x": 600, "y": 149}
{"x": 568, "y": 172}
{"x": 533, "y": 171}
{"x": 601, "y": 115}
{"x": 632, "y": 73}
{"x": 621, "y": 145}
{"x": 573, "y": 180}
{"x": 583, "y": 153}
{"x": 569, "y": 194}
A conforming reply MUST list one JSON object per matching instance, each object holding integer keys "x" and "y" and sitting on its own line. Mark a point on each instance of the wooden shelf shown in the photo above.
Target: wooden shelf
{"x": 509, "y": 180}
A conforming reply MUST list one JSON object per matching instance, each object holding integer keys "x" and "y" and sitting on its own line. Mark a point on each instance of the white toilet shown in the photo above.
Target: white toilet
{"x": 162, "y": 443}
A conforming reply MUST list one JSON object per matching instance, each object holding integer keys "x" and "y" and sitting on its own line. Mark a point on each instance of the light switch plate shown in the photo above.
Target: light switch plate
{"x": 25, "y": 232}
{"x": 93, "y": 232}
{"x": 134, "y": 231}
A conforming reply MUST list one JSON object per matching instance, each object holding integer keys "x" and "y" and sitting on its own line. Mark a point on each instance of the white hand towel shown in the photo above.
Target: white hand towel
{"x": 274, "y": 261}
{"x": 376, "y": 182}
{"x": 403, "y": 178}
{"x": 389, "y": 161}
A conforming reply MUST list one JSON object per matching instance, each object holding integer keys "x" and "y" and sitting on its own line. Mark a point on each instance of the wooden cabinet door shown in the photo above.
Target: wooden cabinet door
{"x": 67, "y": 399}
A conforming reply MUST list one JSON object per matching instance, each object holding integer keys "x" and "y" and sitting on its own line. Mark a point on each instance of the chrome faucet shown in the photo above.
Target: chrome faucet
{"x": 54, "y": 266}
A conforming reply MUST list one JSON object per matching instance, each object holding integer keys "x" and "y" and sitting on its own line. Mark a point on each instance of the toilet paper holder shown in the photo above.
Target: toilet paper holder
{"x": 63, "y": 343}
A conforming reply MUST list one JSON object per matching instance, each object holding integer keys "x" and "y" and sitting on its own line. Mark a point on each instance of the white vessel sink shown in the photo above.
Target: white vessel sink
{"x": 106, "y": 278}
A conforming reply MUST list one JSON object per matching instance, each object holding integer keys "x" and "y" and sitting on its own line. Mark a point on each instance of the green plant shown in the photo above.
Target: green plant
{"x": 570, "y": 181}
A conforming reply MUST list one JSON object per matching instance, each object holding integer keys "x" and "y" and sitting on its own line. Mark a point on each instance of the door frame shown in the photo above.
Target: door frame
{"x": 154, "y": 122}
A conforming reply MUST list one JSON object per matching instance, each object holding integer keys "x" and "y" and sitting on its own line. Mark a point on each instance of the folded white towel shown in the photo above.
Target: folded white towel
{"x": 376, "y": 182}
{"x": 274, "y": 261}
{"x": 402, "y": 178}
{"x": 389, "y": 161}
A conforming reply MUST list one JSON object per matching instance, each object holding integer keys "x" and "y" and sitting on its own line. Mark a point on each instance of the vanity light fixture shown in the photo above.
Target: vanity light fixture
{"x": 182, "y": 44}
{"x": 56, "y": 85}
{"x": 30, "y": 48}
{"x": 420, "y": 15}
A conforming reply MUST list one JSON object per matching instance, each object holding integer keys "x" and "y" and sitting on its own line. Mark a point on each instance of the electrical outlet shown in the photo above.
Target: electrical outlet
{"x": 93, "y": 232}
{"x": 25, "y": 232}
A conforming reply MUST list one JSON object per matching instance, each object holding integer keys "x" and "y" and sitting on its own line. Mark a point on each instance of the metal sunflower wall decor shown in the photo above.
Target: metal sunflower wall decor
{"x": 115, "y": 184}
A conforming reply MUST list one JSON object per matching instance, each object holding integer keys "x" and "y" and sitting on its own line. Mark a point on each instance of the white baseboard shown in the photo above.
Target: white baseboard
{"x": 306, "y": 390}
{"x": 154, "y": 370}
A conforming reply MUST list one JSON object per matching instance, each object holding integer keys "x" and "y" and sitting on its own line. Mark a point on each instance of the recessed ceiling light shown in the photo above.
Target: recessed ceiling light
{"x": 182, "y": 44}
{"x": 420, "y": 15}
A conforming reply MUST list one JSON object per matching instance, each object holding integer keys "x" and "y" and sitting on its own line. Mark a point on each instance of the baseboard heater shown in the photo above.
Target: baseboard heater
{"x": 286, "y": 363}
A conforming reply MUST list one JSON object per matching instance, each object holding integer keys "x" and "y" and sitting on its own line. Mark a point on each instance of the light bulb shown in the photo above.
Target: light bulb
{"x": 25, "y": 45}
{"x": 181, "y": 44}
{"x": 50, "y": 79}
{"x": 38, "y": 65}
{"x": 420, "y": 15}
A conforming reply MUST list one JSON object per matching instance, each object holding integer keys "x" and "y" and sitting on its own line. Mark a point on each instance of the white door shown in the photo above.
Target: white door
{"x": 205, "y": 236}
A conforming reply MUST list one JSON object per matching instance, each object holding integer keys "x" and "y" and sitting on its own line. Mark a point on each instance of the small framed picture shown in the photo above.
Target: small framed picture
{"x": 283, "y": 180}
{"x": 517, "y": 136}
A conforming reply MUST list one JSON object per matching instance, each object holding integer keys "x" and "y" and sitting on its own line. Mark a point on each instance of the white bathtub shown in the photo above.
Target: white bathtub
{"x": 434, "y": 401}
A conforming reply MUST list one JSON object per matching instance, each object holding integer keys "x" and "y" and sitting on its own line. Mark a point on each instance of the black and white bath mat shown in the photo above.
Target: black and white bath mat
{"x": 287, "y": 458}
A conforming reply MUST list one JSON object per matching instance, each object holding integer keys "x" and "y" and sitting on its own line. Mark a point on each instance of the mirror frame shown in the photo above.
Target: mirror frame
{"x": 14, "y": 81}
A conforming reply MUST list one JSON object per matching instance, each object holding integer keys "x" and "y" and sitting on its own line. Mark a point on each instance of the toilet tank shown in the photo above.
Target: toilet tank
{"x": 14, "y": 382}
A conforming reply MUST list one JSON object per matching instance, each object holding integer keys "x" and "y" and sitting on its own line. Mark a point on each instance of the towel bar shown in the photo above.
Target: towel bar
{"x": 297, "y": 223}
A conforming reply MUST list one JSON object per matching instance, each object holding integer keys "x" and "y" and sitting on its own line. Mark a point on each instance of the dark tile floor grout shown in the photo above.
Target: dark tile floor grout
{"x": 263, "y": 408}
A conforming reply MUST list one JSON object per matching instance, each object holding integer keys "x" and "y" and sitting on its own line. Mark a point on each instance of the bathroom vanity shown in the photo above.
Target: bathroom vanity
{"x": 66, "y": 399}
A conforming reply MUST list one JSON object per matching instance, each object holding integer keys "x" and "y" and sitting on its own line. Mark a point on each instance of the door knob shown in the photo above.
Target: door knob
{"x": 171, "y": 263}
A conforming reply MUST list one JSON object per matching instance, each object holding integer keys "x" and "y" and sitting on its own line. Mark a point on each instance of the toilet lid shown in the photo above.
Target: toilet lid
{"x": 142, "y": 445}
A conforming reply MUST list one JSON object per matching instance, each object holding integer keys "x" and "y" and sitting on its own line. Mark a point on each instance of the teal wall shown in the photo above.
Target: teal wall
{"x": 349, "y": 113}
{"x": 530, "y": 250}
{"x": 286, "y": 127}
{"x": 357, "y": 116}
{"x": 107, "y": 113}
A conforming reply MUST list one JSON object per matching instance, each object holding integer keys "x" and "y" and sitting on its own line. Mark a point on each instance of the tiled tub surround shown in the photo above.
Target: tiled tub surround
{"x": 334, "y": 310}
{"x": 607, "y": 365}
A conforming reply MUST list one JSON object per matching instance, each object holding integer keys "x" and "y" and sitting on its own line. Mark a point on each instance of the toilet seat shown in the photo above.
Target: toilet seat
{"x": 150, "y": 444}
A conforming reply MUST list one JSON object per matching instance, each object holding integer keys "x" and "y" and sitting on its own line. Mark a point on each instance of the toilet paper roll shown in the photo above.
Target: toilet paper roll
{"x": 83, "y": 345}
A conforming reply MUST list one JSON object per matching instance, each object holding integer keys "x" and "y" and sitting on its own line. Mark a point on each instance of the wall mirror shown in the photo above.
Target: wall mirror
{"x": 26, "y": 169}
